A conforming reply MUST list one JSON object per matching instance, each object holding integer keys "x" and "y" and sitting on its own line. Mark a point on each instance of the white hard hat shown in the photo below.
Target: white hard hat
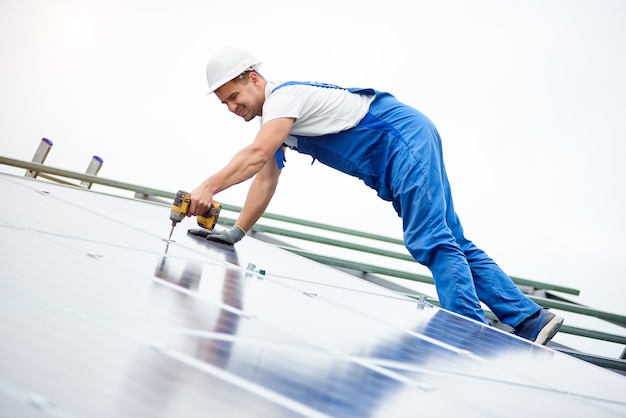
{"x": 228, "y": 63}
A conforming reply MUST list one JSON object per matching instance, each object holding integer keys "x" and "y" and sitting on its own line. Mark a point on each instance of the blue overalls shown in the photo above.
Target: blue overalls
{"x": 397, "y": 151}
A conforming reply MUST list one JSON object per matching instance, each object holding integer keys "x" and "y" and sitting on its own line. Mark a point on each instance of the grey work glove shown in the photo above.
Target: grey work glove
{"x": 228, "y": 236}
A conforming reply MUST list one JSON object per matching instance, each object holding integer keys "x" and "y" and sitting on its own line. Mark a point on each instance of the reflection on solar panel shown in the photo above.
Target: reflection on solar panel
{"x": 97, "y": 321}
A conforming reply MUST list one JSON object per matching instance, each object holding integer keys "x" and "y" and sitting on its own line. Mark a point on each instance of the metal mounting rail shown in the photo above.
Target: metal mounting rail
{"x": 41, "y": 168}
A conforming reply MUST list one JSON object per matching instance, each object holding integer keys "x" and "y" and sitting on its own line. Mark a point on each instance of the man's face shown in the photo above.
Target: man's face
{"x": 245, "y": 99}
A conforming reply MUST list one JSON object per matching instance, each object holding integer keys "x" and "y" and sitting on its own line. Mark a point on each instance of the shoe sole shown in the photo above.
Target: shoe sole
{"x": 549, "y": 330}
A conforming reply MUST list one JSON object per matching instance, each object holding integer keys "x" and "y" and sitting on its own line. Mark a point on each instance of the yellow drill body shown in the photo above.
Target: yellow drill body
{"x": 180, "y": 207}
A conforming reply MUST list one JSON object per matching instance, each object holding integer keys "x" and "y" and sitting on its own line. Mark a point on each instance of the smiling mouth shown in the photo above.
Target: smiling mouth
{"x": 241, "y": 112}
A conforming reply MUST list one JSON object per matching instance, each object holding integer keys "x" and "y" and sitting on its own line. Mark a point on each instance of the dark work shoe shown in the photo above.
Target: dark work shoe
{"x": 540, "y": 327}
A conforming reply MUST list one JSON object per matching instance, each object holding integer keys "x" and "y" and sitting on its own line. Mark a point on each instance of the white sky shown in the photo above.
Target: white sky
{"x": 529, "y": 98}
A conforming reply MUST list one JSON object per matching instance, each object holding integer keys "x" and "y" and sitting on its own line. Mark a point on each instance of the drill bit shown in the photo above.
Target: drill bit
{"x": 171, "y": 232}
{"x": 169, "y": 239}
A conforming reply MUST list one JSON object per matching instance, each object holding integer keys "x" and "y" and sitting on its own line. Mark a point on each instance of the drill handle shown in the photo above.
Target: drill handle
{"x": 209, "y": 218}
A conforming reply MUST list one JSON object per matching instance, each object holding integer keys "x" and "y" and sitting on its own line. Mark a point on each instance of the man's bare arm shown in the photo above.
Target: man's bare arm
{"x": 259, "y": 195}
{"x": 244, "y": 165}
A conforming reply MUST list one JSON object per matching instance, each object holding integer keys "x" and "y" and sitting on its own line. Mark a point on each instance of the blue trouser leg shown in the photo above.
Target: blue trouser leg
{"x": 463, "y": 273}
{"x": 495, "y": 288}
{"x": 422, "y": 198}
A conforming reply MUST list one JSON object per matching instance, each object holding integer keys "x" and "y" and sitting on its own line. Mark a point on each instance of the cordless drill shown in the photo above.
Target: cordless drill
{"x": 180, "y": 207}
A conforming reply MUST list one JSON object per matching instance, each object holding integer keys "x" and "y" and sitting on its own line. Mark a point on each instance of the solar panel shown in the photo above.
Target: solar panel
{"x": 99, "y": 320}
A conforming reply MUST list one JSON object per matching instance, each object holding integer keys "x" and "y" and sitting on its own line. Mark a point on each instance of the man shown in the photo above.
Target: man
{"x": 393, "y": 148}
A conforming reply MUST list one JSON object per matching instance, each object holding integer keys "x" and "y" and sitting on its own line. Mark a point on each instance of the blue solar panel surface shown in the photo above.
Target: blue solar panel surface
{"x": 98, "y": 321}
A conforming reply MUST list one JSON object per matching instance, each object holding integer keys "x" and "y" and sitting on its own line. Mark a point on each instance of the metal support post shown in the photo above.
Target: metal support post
{"x": 92, "y": 169}
{"x": 40, "y": 156}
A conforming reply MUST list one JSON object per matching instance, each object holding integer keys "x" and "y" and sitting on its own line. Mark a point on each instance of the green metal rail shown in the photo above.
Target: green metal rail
{"x": 42, "y": 168}
{"x": 48, "y": 172}
{"x": 372, "y": 250}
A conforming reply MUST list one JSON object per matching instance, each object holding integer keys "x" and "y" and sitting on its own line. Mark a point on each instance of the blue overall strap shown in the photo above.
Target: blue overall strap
{"x": 307, "y": 83}
{"x": 279, "y": 155}
{"x": 369, "y": 92}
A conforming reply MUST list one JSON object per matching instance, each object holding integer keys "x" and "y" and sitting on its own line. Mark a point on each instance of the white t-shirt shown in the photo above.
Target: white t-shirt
{"x": 317, "y": 110}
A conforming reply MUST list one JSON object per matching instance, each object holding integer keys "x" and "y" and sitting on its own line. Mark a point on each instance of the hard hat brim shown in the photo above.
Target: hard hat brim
{"x": 216, "y": 85}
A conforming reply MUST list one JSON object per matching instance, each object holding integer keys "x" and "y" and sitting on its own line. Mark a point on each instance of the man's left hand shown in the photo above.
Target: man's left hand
{"x": 227, "y": 236}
